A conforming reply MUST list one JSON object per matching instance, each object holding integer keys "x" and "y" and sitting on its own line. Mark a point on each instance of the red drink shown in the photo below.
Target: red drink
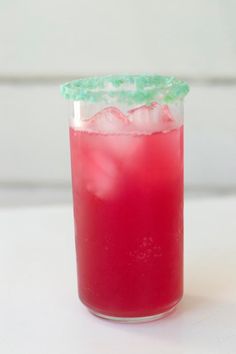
{"x": 126, "y": 136}
{"x": 128, "y": 209}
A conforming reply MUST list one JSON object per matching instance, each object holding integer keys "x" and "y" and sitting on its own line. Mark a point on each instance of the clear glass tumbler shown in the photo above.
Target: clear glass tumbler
{"x": 126, "y": 137}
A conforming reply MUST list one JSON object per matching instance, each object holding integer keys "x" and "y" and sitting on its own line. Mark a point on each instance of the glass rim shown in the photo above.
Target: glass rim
{"x": 127, "y": 89}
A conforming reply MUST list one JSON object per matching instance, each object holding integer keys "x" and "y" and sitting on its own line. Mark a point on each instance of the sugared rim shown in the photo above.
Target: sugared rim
{"x": 127, "y": 89}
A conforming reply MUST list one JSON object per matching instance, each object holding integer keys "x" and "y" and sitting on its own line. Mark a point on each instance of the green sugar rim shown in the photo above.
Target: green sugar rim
{"x": 128, "y": 89}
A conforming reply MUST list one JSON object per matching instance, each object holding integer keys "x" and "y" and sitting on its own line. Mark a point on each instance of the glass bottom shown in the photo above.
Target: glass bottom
{"x": 134, "y": 319}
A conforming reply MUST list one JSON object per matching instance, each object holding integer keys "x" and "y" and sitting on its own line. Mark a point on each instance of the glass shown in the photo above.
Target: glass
{"x": 126, "y": 138}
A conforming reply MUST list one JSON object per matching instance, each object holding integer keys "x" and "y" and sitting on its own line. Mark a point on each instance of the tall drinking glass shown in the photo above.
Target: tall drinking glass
{"x": 126, "y": 138}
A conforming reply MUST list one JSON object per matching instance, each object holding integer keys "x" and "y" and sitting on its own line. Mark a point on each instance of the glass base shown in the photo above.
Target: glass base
{"x": 134, "y": 319}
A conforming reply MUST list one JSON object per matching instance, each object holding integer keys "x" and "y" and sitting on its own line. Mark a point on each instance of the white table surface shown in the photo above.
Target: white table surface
{"x": 40, "y": 312}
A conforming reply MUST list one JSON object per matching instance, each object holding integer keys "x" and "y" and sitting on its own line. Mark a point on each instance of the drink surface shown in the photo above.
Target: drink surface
{"x": 128, "y": 209}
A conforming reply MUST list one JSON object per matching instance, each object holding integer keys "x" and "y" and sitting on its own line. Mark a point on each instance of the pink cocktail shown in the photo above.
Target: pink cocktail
{"x": 127, "y": 177}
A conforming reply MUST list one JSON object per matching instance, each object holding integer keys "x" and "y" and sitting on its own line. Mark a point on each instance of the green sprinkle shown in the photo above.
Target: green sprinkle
{"x": 127, "y": 89}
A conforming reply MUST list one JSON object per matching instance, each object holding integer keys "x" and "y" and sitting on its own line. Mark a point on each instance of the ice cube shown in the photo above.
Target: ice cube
{"x": 108, "y": 120}
{"x": 166, "y": 115}
{"x": 145, "y": 118}
{"x": 123, "y": 148}
{"x": 153, "y": 118}
{"x": 166, "y": 121}
{"x": 101, "y": 175}
{"x": 176, "y": 111}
